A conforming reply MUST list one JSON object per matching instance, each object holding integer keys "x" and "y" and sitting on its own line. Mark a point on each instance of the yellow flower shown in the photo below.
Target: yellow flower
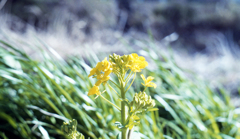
{"x": 94, "y": 90}
{"x": 147, "y": 82}
{"x": 104, "y": 65}
{"x": 136, "y": 63}
{"x": 101, "y": 71}
{"x": 106, "y": 73}
{"x": 92, "y": 72}
{"x": 103, "y": 79}
{"x": 133, "y": 120}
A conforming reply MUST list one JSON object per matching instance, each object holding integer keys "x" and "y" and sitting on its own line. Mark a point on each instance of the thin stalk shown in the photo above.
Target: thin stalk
{"x": 144, "y": 89}
{"x": 114, "y": 83}
{"x": 110, "y": 102}
{"x": 131, "y": 83}
{"x": 129, "y": 78}
{"x": 124, "y": 113}
{"x": 117, "y": 72}
{"x": 129, "y": 75}
{"x": 113, "y": 90}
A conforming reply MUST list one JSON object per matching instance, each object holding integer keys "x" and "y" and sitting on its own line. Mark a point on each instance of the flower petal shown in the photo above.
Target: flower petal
{"x": 149, "y": 79}
{"x": 92, "y": 72}
{"x": 94, "y": 90}
{"x": 98, "y": 82}
{"x": 107, "y": 72}
{"x": 142, "y": 76}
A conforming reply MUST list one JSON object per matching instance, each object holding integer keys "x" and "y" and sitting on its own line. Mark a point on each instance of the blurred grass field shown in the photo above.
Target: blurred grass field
{"x": 37, "y": 96}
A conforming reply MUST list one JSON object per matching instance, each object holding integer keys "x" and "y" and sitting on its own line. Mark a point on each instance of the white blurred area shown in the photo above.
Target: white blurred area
{"x": 220, "y": 64}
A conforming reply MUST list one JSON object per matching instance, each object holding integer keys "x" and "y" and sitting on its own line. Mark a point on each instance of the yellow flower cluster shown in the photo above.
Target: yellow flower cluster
{"x": 133, "y": 120}
{"x": 141, "y": 103}
{"x": 118, "y": 65}
{"x": 147, "y": 82}
{"x": 125, "y": 62}
{"x": 101, "y": 72}
{"x": 94, "y": 90}
{"x": 136, "y": 63}
{"x": 142, "y": 100}
{"x": 124, "y": 67}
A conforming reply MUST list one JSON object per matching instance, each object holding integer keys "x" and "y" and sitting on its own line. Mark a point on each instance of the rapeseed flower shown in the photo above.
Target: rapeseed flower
{"x": 101, "y": 71}
{"x": 94, "y": 90}
{"x": 142, "y": 101}
{"x": 136, "y": 63}
{"x": 133, "y": 120}
{"x": 147, "y": 82}
{"x": 124, "y": 67}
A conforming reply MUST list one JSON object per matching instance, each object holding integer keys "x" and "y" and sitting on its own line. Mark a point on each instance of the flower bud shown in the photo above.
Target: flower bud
{"x": 142, "y": 101}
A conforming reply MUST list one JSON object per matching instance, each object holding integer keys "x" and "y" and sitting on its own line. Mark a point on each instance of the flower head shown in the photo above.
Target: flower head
{"x": 133, "y": 120}
{"x": 94, "y": 90}
{"x": 136, "y": 63}
{"x": 143, "y": 101}
{"x": 147, "y": 82}
{"x": 118, "y": 63}
{"x": 70, "y": 129}
{"x": 101, "y": 71}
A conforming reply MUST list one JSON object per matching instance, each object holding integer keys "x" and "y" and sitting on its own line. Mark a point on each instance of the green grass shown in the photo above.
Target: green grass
{"x": 36, "y": 97}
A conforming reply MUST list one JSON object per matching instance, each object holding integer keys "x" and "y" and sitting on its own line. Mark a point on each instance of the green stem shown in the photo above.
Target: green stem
{"x": 110, "y": 102}
{"x": 124, "y": 112}
{"x": 113, "y": 90}
{"x": 131, "y": 82}
{"x": 128, "y": 77}
{"x": 114, "y": 83}
{"x": 144, "y": 89}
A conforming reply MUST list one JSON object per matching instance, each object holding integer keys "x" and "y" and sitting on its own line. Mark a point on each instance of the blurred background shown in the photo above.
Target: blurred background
{"x": 203, "y": 36}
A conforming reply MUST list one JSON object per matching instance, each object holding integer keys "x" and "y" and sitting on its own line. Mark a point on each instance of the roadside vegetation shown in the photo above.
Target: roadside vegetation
{"x": 37, "y": 96}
